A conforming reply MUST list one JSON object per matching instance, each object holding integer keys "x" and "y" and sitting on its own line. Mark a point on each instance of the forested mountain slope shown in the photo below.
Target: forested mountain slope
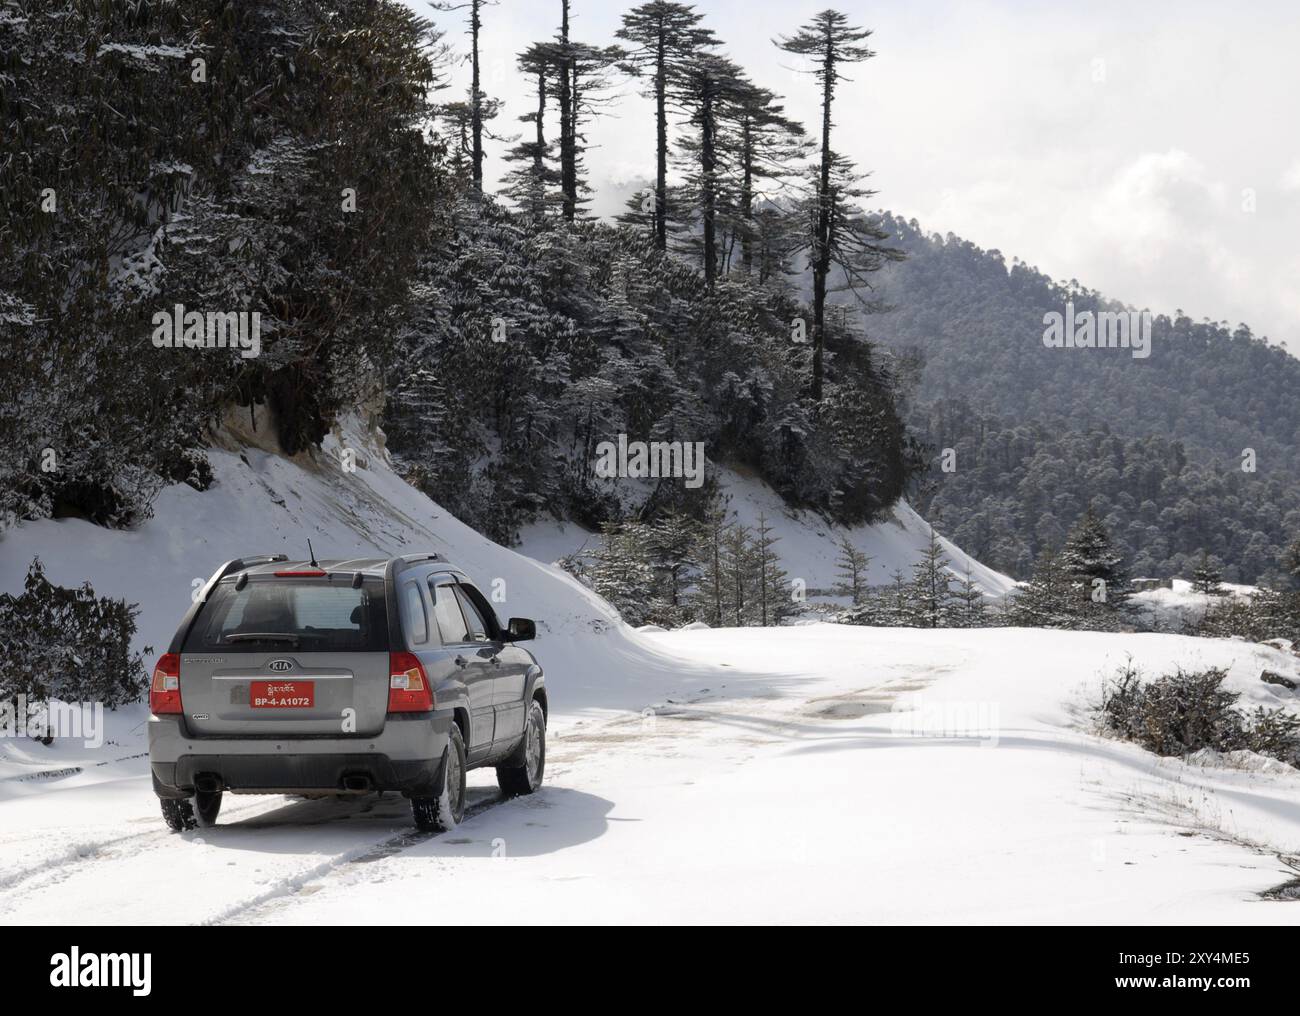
{"x": 1156, "y": 444}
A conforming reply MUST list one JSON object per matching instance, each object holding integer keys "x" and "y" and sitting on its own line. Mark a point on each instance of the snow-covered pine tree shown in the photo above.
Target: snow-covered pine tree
{"x": 774, "y": 599}
{"x": 1092, "y": 563}
{"x": 969, "y": 608}
{"x": 672, "y": 544}
{"x": 1049, "y": 599}
{"x": 1207, "y": 578}
{"x": 621, "y": 571}
{"x": 740, "y": 566}
{"x": 852, "y": 571}
{"x": 712, "y": 598}
{"x": 931, "y": 596}
{"x": 892, "y": 606}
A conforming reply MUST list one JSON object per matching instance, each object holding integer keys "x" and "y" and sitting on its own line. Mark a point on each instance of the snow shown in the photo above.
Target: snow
{"x": 1170, "y": 609}
{"x": 814, "y": 773}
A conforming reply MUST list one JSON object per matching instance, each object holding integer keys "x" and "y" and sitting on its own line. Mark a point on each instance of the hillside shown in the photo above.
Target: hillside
{"x": 808, "y": 543}
{"x": 1156, "y": 444}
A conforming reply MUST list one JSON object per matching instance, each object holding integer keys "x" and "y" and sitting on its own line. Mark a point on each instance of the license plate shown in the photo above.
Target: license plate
{"x": 282, "y": 694}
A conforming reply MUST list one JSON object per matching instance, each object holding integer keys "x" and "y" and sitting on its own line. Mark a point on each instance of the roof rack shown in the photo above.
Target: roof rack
{"x": 243, "y": 563}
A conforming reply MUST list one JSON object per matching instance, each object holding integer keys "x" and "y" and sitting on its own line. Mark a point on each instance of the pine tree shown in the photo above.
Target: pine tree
{"x": 1207, "y": 578}
{"x": 672, "y": 545}
{"x": 621, "y": 571}
{"x": 712, "y": 596}
{"x": 931, "y": 592}
{"x": 478, "y": 109}
{"x": 969, "y": 610}
{"x": 739, "y": 568}
{"x": 1091, "y": 561}
{"x": 773, "y": 583}
{"x": 896, "y": 609}
{"x": 1049, "y": 599}
{"x": 768, "y": 148}
{"x": 707, "y": 87}
{"x": 852, "y": 571}
{"x": 664, "y": 36}
{"x": 529, "y": 183}
{"x": 582, "y": 78}
{"x": 837, "y": 236}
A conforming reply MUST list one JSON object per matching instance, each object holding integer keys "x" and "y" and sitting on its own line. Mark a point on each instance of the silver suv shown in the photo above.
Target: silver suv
{"x": 343, "y": 677}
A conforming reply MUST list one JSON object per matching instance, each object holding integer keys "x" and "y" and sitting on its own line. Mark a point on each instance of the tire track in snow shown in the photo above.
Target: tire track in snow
{"x": 289, "y": 885}
{"x": 75, "y": 856}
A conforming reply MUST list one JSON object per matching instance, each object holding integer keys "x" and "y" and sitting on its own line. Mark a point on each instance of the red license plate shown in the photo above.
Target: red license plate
{"x": 282, "y": 694}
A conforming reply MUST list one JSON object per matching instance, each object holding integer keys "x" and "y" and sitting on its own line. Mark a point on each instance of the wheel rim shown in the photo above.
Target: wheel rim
{"x": 533, "y": 750}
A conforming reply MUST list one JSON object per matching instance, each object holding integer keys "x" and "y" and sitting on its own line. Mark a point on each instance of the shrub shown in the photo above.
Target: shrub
{"x": 1186, "y": 711}
{"x": 68, "y": 644}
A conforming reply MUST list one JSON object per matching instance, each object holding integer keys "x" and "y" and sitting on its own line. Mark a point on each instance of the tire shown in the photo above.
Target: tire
{"x": 525, "y": 778}
{"x": 206, "y": 808}
{"x": 186, "y": 813}
{"x": 178, "y": 814}
{"x": 445, "y": 812}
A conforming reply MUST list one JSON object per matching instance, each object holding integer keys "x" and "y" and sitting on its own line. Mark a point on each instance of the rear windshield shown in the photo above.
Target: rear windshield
{"x": 311, "y": 615}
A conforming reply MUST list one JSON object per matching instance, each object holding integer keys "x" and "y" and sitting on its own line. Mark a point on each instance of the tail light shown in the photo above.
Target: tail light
{"x": 408, "y": 685}
{"x": 165, "y": 691}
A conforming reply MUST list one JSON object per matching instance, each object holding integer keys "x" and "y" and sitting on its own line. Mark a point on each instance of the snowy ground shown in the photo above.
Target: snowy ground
{"x": 1171, "y": 609}
{"x": 777, "y": 789}
{"x": 808, "y": 773}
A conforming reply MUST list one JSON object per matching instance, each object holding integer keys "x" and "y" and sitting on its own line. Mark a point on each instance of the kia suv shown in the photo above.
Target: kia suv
{"x": 343, "y": 678}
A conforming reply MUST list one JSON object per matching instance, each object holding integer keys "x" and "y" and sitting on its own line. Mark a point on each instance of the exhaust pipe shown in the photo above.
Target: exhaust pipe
{"x": 356, "y": 784}
{"x": 207, "y": 784}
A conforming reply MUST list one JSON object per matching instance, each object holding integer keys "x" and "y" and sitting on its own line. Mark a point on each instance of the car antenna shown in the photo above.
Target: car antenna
{"x": 312, "y": 554}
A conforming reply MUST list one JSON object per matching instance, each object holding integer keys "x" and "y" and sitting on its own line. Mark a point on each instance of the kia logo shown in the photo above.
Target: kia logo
{"x": 280, "y": 666}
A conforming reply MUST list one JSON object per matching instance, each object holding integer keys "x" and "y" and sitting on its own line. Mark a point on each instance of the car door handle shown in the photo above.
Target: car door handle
{"x": 461, "y": 661}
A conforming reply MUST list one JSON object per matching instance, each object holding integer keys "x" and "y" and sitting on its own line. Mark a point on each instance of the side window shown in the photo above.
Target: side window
{"x": 478, "y": 629}
{"x": 417, "y": 625}
{"x": 447, "y": 612}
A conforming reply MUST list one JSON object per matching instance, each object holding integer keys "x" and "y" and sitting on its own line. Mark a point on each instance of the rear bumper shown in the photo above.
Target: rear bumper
{"x": 290, "y": 774}
{"x": 406, "y": 757}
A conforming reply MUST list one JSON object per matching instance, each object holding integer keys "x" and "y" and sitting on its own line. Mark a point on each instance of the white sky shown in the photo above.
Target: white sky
{"x": 1113, "y": 142}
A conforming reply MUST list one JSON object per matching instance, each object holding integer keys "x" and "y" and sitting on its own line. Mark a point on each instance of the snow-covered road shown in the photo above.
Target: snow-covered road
{"x": 795, "y": 793}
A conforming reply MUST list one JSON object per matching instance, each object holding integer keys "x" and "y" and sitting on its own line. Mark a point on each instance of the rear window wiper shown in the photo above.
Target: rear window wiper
{"x": 263, "y": 636}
